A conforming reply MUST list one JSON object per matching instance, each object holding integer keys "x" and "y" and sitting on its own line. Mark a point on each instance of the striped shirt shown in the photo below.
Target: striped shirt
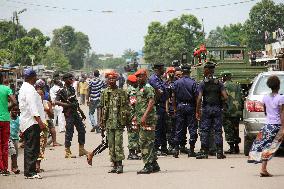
{"x": 95, "y": 88}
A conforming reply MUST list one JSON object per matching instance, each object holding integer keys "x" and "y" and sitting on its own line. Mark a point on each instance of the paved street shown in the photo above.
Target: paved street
{"x": 61, "y": 173}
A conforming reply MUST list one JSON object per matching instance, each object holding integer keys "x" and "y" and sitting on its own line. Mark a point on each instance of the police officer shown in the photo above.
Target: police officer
{"x": 66, "y": 98}
{"x": 232, "y": 115}
{"x": 161, "y": 96}
{"x": 114, "y": 105}
{"x": 211, "y": 93}
{"x": 185, "y": 95}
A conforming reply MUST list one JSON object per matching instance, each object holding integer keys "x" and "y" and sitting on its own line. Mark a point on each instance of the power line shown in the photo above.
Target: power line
{"x": 50, "y": 7}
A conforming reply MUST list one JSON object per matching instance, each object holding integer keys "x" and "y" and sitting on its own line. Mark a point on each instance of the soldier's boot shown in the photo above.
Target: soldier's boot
{"x": 156, "y": 167}
{"x": 68, "y": 153}
{"x": 203, "y": 154}
{"x": 114, "y": 168}
{"x": 231, "y": 149}
{"x": 191, "y": 152}
{"x": 220, "y": 154}
{"x": 176, "y": 152}
{"x": 164, "y": 151}
{"x": 119, "y": 168}
{"x": 131, "y": 154}
{"x": 82, "y": 151}
{"x": 183, "y": 150}
{"x": 170, "y": 150}
{"x": 236, "y": 148}
{"x": 148, "y": 168}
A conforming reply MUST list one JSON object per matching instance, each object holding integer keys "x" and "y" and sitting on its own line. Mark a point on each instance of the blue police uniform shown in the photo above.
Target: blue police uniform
{"x": 158, "y": 84}
{"x": 185, "y": 90}
{"x": 211, "y": 116}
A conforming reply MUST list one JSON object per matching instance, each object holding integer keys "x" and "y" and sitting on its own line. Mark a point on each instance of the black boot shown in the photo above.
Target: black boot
{"x": 114, "y": 168}
{"x": 191, "y": 152}
{"x": 176, "y": 152}
{"x": 148, "y": 168}
{"x": 156, "y": 167}
{"x": 164, "y": 151}
{"x": 119, "y": 168}
{"x": 237, "y": 149}
{"x": 203, "y": 154}
{"x": 231, "y": 150}
{"x": 183, "y": 150}
{"x": 220, "y": 154}
{"x": 170, "y": 150}
{"x": 131, "y": 155}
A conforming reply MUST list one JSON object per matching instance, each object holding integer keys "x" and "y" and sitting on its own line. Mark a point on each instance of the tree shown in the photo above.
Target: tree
{"x": 233, "y": 34}
{"x": 55, "y": 59}
{"x": 165, "y": 43}
{"x": 264, "y": 16}
{"x": 92, "y": 61}
{"x": 129, "y": 54}
{"x": 75, "y": 45}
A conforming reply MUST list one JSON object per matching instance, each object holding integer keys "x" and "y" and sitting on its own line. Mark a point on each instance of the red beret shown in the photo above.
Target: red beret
{"x": 170, "y": 69}
{"x": 132, "y": 78}
{"x": 141, "y": 71}
{"x": 111, "y": 74}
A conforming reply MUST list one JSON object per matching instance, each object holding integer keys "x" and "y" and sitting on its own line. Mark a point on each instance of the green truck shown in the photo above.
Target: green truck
{"x": 232, "y": 58}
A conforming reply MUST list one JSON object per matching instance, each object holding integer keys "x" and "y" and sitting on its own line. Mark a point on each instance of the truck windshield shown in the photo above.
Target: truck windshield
{"x": 233, "y": 55}
{"x": 262, "y": 89}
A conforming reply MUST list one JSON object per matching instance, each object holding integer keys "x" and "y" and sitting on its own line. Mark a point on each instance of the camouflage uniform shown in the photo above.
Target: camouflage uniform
{"x": 146, "y": 134}
{"x": 114, "y": 103}
{"x": 133, "y": 132}
{"x": 231, "y": 117}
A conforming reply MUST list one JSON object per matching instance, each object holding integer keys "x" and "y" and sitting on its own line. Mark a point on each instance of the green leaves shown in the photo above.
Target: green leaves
{"x": 165, "y": 43}
{"x": 56, "y": 60}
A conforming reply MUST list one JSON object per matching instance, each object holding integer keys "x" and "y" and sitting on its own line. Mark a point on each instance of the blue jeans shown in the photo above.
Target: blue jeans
{"x": 92, "y": 110}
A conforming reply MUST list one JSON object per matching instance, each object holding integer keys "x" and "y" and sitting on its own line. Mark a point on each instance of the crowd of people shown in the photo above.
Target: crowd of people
{"x": 157, "y": 110}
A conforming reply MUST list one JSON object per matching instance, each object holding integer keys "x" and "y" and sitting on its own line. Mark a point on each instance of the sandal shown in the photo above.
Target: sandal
{"x": 56, "y": 144}
{"x": 37, "y": 176}
{"x": 16, "y": 171}
{"x": 265, "y": 174}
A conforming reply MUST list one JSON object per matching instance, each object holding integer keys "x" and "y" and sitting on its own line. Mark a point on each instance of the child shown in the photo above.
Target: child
{"x": 14, "y": 139}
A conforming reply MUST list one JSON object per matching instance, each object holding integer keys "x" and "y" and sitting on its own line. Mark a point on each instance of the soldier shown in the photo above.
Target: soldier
{"x": 232, "y": 115}
{"x": 170, "y": 108}
{"x": 146, "y": 119}
{"x": 66, "y": 98}
{"x": 114, "y": 105}
{"x": 133, "y": 132}
{"x": 185, "y": 95}
{"x": 211, "y": 90}
{"x": 161, "y": 96}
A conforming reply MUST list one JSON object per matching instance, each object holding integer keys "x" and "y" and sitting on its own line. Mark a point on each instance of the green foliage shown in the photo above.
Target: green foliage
{"x": 56, "y": 60}
{"x": 112, "y": 63}
{"x": 75, "y": 45}
{"x": 233, "y": 34}
{"x": 9, "y": 32}
{"x": 129, "y": 54}
{"x": 264, "y": 16}
{"x": 165, "y": 43}
{"x": 5, "y": 56}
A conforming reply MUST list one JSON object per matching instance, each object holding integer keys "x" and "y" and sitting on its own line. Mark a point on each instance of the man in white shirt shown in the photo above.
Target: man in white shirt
{"x": 32, "y": 120}
{"x": 58, "y": 110}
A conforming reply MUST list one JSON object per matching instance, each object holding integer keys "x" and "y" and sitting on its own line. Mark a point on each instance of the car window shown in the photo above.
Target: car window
{"x": 262, "y": 89}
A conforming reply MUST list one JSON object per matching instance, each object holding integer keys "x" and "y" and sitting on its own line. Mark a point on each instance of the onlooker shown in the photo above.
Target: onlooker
{"x": 32, "y": 119}
{"x": 14, "y": 139}
{"x": 6, "y": 95}
{"x": 271, "y": 134}
{"x": 121, "y": 81}
{"x": 93, "y": 99}
{"x": 83, "y": 89}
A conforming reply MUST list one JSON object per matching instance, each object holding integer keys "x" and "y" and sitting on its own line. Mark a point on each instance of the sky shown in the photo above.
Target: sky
{"x": 127, "y": 25}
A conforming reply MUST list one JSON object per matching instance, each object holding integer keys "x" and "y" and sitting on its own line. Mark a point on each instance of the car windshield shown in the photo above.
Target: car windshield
{"x": 262, "y": 89}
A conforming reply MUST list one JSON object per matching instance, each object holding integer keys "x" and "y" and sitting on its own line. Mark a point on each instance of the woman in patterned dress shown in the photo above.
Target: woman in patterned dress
{"x": 271, "y": 134}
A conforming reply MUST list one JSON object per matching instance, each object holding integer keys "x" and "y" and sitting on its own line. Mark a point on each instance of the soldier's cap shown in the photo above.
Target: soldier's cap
{"x": 185, "y": 67}
{"x": 29, "y": 73}
{"x": 132, "y": 78}
{"x": 170, "y": 69}
{"x": 111, "y": 74}
{"x": 140, "y": 72}
{"x": 209, "y": 65}
{"x": 158, "y": 65}
{"x": 67, "y": 76}
{"x": 226, "y": 73}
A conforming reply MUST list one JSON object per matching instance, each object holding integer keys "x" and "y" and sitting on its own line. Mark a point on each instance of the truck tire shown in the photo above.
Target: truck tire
{"x": 247, "y": 145}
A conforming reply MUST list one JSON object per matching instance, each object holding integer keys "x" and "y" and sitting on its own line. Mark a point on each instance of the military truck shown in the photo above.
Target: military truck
{"x": 232, "y": 58}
